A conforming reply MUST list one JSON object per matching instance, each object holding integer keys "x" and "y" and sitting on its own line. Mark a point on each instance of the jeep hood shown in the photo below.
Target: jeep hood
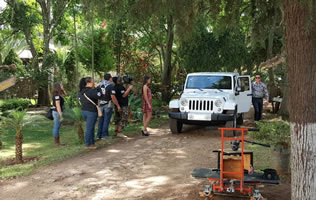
{"x": 206, "y": 94}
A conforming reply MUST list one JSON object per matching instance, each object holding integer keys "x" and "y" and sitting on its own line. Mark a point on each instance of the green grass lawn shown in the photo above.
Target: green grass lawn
{"x": 38, "y": 142}
{"x": 262, "y": 156}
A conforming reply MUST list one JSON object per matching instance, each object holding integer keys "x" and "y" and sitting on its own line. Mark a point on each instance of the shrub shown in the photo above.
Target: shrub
{"x": 12, "y": 104}
{"x": 274, "y": 133}
{"x": 72, "y": 99}
{"x": 134, "y": 103}
{"x": 158, "y": 103}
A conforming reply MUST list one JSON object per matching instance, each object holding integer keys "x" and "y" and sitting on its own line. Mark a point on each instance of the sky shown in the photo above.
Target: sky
{"x": 2, "y": 4}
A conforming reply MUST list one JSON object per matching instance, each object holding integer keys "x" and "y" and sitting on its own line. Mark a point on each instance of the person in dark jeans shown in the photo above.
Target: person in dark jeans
{"x": 88, "y": 94}
{"x": 259, "y": 90}
{"x": 106, "y": 105}
{"x": 58, "y": 102}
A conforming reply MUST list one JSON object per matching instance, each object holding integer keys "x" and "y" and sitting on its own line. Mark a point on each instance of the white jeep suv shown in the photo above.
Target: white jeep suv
{"x": 210, "y": 98}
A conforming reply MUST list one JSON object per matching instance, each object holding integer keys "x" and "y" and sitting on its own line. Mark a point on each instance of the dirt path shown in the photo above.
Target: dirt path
{"x": 155, "y": 167}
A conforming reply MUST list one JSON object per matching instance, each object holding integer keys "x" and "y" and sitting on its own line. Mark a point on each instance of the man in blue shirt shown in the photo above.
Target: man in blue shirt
{"x": 259, "y": 90}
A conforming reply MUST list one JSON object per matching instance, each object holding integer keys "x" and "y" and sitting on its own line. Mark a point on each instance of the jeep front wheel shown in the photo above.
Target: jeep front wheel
{"x": 240, "y": 119}
{"x": 232, "y": 124}
{"x": 175, "y": 126}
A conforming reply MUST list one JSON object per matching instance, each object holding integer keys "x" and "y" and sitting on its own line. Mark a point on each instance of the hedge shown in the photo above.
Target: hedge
{"x": 11, "y": 104}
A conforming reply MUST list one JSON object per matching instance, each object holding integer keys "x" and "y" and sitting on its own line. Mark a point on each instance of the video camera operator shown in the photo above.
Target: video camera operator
{"x": 121, "y": 93}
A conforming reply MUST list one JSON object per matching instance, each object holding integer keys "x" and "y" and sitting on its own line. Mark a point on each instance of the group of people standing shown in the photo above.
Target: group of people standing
{"x": 107, "y": 96}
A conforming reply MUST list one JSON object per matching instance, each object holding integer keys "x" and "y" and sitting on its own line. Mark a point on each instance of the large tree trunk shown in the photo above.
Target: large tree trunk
{"x": 166, "y": 77}
{"x": 43, "y": 94}
{"x": 301, "y": 60}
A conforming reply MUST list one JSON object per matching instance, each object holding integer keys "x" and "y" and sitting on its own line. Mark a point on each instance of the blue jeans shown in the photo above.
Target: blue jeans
{"x": 257, "y": 104}
{"x": 57, "y": 124}
{"x": 104, "y": 121}
{"x": 91, "y": 120}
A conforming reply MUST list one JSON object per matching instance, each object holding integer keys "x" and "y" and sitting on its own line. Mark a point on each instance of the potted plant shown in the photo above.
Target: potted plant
{"x": 79, "y": 122}
{"x": 17, "y": 119}
{"x": 277, "y": 134}
{"x": 73, "y": 116}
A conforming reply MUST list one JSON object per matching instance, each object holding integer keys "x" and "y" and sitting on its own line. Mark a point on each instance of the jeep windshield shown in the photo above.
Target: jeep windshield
{"x": 209, "y": 82}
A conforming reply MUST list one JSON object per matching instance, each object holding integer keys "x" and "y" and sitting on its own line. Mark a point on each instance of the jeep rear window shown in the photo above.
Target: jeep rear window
{"x": 209, "y": 82}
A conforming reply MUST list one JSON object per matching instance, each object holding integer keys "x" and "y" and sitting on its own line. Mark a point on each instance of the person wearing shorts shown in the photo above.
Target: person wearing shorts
{"x": 121, "y": 94}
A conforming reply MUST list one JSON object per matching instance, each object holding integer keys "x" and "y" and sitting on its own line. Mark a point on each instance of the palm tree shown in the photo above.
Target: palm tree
{"x": 77, "y": 116}
{"x": 74, "y": 116}
{"x": 17, "y": 119}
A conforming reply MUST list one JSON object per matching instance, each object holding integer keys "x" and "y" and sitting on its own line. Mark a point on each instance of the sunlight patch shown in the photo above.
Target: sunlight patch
{"x": 114, "y": 151}
{"x": 32, "y": 145}
{"x": 147, "y": 182}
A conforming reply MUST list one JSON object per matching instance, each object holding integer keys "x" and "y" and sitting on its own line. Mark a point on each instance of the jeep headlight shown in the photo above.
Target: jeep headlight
{"x": 218, "y": 103}
{"x": 184, "y": 102}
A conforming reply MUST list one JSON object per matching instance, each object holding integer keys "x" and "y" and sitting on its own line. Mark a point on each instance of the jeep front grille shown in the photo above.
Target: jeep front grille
{"x": 201, "y": 105}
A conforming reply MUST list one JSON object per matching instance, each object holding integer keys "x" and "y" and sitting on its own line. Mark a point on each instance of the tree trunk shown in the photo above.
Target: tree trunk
{"x": 18, "y": 145}
{"x": 166, "y": 77}
{"x": 118, "y": 42}
{"x": 301, "y": 60}
{"x": 271, "y": 85}
{"x": 160, "y": 60}
{"x": 43, "y": 94}
{"x": 76, "y": 45}
{"x": 284, "y": 109}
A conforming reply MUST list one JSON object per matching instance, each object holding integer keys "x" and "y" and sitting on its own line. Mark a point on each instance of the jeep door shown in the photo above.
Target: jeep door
{"x": 245, "y": 95}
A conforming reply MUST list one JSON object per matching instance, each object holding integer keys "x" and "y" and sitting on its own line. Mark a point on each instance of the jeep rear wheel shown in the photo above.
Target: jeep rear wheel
{"x": 175, "y": 126}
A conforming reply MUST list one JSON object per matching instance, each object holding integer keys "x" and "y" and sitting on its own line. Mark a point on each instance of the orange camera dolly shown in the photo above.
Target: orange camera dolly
{"x": 234, "y": 175}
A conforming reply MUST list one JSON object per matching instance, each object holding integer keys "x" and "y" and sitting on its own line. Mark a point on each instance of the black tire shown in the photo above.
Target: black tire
{"x": 240, "y": 119}
{"x": 232, "y": 124}
{"x": 175, "y": 126}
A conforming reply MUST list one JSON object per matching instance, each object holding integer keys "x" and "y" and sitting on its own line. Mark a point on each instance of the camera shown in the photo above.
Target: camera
{"x": 127, "y": 79}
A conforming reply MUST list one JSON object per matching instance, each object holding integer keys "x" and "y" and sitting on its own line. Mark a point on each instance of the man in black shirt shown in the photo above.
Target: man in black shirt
{"x": 121, "y": 94}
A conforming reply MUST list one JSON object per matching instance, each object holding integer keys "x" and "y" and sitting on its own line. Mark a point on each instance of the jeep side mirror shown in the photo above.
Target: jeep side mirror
{"x": 181, "y": 87}
{"x": 238, "y": 90}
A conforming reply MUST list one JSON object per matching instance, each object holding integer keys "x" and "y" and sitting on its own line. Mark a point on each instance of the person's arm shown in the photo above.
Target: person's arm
{"x": 266, "y": 92}
{"x": 145, "y": 88}
{"x": 128, "y": 91}
{"x": 114, "y": 99}
{"x": 58, "y": 108}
